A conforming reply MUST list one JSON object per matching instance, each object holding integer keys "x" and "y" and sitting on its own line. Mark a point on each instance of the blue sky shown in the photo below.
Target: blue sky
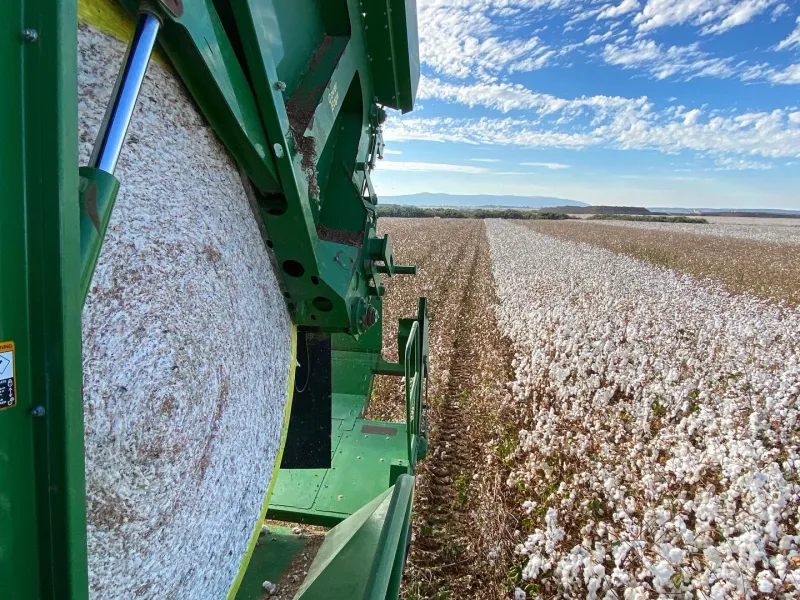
{"x": 645, "y": 102}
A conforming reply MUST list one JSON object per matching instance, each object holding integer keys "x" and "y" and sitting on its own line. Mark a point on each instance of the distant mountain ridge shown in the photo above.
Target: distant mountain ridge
{"x": 478, "y": 200}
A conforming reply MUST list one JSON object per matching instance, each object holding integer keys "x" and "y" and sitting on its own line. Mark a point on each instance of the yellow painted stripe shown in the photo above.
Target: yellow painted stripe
{"x": 110, "y": 18}
{"x": 286, "y": 414}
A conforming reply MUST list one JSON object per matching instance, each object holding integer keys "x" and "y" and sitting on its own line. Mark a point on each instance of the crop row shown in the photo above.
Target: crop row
{"x": 659, "y": 447}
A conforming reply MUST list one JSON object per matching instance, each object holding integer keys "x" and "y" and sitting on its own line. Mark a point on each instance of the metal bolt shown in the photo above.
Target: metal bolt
{"x": 38, "y": 411}
{"x": 280, "y": 85}
{"x": 30, "y": 35}
{"x": 278, "y": 150}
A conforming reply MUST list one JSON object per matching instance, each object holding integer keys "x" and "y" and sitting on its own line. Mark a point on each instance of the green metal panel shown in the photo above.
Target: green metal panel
{"x": 393, "y": 46}
{"x": 42, "y": 498}
{"x": 360, "y": 471}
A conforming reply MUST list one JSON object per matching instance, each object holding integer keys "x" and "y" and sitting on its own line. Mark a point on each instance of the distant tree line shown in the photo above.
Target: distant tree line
{"x": 648, "y": 218}
{"x": 600, "y": 210}
{"x": 399, "y": 210}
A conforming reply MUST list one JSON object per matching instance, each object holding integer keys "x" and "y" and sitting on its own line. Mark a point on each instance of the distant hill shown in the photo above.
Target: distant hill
{"x": 479, "y": 200}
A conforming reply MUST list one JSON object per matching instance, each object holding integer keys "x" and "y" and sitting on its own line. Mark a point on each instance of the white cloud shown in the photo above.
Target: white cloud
{"x": 779, "y": 10}
{"x": 628, "y": 124}
{"x": 545, "y": 165}
{"x": 714, "y": 16}
{"x": 689, "y": 62}
{"x": 612, "y": 12}
{"x": 691, "y": 117}
{"x": 507, "y": 97}
{"x": 793, "y": 39}
{"x": 740, "y": 14}
{"x": 486, "y": 160}
{"x": 424, "y": 167}
{"x": 727, "y": 163}
{"x": 463, "y": 39}
{"x": 662, "y": 62}
{"x": 596, "y": 39}
{"x": 789, "y": 76}
{"x": 390, "y": 152}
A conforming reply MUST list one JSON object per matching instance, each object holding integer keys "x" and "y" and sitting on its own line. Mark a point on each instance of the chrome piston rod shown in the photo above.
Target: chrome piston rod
{"x": 118, "y": 115}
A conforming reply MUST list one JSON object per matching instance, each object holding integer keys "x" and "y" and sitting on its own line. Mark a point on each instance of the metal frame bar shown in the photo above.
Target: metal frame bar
{"x": 43, "y": 512}
{"x": 120, "y": 109}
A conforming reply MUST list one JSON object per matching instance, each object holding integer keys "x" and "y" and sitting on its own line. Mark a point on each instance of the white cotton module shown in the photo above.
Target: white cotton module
{"x": 186, "y": 350}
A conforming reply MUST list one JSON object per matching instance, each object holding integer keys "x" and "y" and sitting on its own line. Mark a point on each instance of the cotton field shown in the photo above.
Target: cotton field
{"x": 780, "y": 231}
{"x": 658, "y": 446}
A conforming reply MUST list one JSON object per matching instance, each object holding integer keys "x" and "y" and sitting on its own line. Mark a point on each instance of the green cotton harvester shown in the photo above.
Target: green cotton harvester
{"x": 191, "y": 313}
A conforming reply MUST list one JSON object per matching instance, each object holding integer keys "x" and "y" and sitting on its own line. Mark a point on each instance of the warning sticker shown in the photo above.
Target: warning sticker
{"x": 8, "y": 391}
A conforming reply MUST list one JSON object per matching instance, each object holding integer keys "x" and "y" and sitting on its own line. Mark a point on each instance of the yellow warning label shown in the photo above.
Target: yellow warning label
{"x": 8, "y": 388}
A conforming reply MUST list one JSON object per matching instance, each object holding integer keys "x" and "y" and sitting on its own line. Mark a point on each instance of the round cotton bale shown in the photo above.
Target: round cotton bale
{"x": 186, "y": 351}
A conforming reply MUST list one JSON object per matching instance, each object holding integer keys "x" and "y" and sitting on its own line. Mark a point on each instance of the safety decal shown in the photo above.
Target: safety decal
{"x": 8, "y": 389}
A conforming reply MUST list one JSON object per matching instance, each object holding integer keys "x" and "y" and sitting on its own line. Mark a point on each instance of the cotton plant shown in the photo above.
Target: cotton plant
{"x": 757, "y": 231}
{"x": 659, "y": 454}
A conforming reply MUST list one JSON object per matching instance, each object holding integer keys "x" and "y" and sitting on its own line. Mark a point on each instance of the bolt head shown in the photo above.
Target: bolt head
{"x": 30, "y": 35}
{"x": 278, "y": 150}
{"x": 38, "y": 411}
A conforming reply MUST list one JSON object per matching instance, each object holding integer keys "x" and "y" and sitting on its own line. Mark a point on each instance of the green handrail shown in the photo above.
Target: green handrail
{"x": 413, "y": 397}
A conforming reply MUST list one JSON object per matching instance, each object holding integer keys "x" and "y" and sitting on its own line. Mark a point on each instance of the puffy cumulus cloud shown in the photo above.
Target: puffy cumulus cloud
{"x": 470, "y": 38}
{"x": 612, "y": 12}
{"x": 491, "y": 40}
{"x": 712, "y": 16}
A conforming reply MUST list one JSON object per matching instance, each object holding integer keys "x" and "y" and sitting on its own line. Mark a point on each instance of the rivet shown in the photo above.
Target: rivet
{"x": 278, "y": 150}
{"x": 30, "y": 35}
{"x": 38, "y": 411}
{"x": 280, "y": 85}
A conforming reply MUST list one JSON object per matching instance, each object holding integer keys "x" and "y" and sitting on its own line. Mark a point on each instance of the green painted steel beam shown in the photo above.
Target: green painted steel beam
{"x": 42, "y": 497}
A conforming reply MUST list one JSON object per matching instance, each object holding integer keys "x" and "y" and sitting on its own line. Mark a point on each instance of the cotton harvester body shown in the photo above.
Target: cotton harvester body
{"x": 294, "y": 91}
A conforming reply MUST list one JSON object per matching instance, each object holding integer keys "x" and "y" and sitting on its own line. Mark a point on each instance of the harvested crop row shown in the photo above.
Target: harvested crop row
{"x": 767, "y": 270}
{"x": 462, "y": 509}
{"x": 772, "y": 231}
{"x": 661, "y": 452}
{"x": 439, "y": 248}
